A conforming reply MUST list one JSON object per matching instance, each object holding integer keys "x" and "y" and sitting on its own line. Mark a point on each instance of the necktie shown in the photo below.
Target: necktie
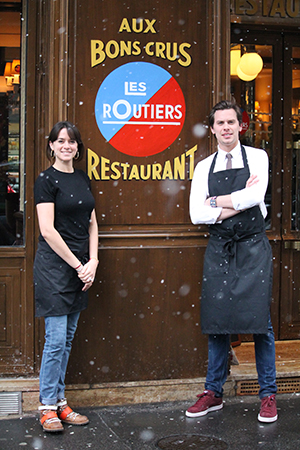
{"x": 229, "y": 162}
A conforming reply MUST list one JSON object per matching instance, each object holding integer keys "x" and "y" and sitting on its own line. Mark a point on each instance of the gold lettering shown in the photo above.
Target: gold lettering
{"x": 265, "y": 9}
{"x": 167, "y": 172}
{"x": 239, "y": 7}
{"x": 292, "y": 12}
{"x": 124, "y": 26}
{"x": 109, "y": 45}
{"x": 159, "y": 50}
{"x": 104, "y": 168}
{"x": 191, "y": 153}
{"x": 116, "y": 173}
{"x": 125, "y": 48}
{"x": 184, "y": 54}
{"x": 140, "y": 22}
{"x": 278, "y": 8}
{"x": 116, "y": 170}
{"x": 142, "y": 169}
{"x": 147, "y": 48}
{"x": 134, "y": 173}
{"x": 92, "y": 163}
{"x": 97, "y": 53}
{"x": 136, "y": 48}
{"x": 156, "y": 171}
{"x": 150, "y": 26}
{"x": 179, "y": 166}
{"x": 253, "y": 11}
{"x": 125, "y": 167}
{"x": 168, "y": 51}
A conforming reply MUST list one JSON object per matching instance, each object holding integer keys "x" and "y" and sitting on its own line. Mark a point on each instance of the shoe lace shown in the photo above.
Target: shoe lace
{"x": 52, "y": 419}
{"x": 200, "y": 396}
{"x": 72, "y": 415}
{"x": 269, "y": 400}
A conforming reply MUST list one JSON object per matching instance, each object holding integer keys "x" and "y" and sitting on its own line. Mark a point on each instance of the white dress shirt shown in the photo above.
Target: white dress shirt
{"x": 258, "y": 163}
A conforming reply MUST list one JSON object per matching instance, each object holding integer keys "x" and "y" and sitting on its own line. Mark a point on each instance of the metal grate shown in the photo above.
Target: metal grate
{"x": 284, "y": 386}
{"x": 10, "y": 403}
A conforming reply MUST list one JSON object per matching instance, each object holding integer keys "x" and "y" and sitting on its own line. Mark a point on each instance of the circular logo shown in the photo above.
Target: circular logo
{"x": 140, "y": 109}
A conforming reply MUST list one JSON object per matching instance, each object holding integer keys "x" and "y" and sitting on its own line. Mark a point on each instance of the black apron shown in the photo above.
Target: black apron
{"x": 58, "y": 289}
{"x": 238, "y": 267}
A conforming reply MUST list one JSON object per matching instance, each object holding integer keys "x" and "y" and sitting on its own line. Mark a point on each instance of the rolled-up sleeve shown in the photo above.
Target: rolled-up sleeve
{"x": 199, "y": 212}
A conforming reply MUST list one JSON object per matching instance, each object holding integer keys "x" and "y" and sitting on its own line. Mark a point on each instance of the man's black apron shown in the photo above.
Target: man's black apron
{"x": 237, "y": 274}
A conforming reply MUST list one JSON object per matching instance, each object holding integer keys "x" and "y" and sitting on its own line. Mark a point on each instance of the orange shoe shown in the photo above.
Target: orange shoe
{"x": 67, "y": 415}
{"x": 49, "y": 420}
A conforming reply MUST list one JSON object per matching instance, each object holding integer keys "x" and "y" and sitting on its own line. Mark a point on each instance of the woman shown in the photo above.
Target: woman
{"x": 65, "y": 266}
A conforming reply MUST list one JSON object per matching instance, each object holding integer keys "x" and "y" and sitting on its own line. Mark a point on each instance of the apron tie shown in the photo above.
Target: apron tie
{"x": 230, "y": 245}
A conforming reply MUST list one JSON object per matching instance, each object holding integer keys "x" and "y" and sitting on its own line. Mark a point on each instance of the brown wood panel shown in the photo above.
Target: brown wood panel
{"x": 142, "y": 322}
{"x": 13, "y": 357}
{"x": 290, "y": 293}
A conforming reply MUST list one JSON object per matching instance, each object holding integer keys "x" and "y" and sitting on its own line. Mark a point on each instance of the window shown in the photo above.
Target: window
{"x": 11, "y": 156}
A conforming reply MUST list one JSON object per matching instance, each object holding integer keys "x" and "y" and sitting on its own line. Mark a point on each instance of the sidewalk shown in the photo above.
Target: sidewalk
{"x": 164, "y": 426}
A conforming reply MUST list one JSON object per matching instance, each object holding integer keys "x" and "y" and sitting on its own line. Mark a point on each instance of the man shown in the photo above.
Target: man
{"x": 227, "y": 193}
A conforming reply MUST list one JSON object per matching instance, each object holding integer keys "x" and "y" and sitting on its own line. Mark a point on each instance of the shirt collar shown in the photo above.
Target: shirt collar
{"x": 235, "y": 152}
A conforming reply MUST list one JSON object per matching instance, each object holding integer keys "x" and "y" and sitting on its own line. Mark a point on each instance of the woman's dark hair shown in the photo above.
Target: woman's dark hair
{"x": 73, "y": 133}
{"x": 225, "y": 104}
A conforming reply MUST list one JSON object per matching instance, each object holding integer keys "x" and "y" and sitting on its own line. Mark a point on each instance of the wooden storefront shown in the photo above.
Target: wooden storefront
{"x": 86, "y": 61}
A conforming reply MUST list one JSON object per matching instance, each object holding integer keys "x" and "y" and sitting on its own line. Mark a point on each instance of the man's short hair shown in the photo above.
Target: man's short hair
{"x": 225, "y": 104}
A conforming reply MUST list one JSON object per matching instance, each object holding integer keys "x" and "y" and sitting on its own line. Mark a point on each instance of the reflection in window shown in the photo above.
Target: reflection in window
{"x": 11, "y": 183}
{"x": 255, "y": 99}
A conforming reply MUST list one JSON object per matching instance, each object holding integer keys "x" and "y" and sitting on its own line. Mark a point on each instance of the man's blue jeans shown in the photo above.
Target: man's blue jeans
{"x": 59, "y": 333}
{"x": 218, "y": 351}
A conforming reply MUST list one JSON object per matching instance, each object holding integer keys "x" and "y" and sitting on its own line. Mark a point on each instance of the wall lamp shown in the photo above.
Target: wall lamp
{"x": 246, "y": 66}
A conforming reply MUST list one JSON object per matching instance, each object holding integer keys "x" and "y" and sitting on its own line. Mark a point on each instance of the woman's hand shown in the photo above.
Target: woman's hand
{"x": 87, "y": 273}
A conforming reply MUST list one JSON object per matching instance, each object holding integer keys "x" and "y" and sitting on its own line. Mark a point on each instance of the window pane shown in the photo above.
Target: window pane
{"x": 255, "y": 99}
{"x": 11, "y": 183}
{"x": 296, "y": 139}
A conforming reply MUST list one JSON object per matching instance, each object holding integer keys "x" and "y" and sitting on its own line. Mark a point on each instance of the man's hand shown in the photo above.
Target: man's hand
{"x": 252, "y": 180}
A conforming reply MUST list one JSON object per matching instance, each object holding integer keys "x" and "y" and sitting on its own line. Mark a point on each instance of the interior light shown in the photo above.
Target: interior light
{"x": 251, "y": 64}
{"x": 235, "y": 56}
{"x": 244, "y": 76}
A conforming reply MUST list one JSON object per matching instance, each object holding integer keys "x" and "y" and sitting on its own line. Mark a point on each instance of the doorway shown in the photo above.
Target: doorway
{"x": 271, "y": 121}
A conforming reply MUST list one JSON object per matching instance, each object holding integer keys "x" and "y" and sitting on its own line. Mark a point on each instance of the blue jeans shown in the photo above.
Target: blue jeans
{"x": 218, "y": 351}
{"x": 59, "y": 335}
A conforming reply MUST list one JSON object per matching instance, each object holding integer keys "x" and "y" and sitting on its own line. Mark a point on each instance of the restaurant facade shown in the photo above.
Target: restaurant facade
{"x": 139, "y": 80}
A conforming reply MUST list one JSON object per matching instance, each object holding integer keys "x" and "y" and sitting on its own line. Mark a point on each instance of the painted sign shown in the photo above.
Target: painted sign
{"x": 140, "y": 109}
{"x": 267, "y": 8}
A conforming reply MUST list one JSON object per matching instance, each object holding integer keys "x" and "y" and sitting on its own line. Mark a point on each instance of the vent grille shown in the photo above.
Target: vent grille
{"x": 284, "y": 386}
{"x": 10, "y": 403}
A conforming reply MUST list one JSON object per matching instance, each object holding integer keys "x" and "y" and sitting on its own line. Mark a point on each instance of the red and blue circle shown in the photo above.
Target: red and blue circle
{"x": 140, "y": 109}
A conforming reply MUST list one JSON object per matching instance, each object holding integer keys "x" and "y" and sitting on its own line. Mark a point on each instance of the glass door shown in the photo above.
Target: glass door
{"x": 260, "y": 97}
{"x": 290, "y": 280}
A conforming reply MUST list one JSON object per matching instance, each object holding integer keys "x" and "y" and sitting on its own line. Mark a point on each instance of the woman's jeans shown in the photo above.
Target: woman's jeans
{"x": 218, "y": 351}
{"x": 59, "y": 333}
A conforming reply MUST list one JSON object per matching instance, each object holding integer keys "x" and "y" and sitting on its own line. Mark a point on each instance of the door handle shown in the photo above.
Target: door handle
{"x": 293, "y": 245}
{"x": 292, "y": 145}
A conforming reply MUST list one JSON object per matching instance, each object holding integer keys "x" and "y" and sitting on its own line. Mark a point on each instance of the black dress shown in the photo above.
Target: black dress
{"x": 238, "y": 265}
{"x": 58, "y": 290}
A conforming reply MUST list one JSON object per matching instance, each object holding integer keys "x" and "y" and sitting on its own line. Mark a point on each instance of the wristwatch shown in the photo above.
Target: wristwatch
{"x": 213, "y": 202}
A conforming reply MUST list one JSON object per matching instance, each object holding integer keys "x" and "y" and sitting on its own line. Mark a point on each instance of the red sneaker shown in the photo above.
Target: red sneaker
{"x": 268, "y": 410}
{"x": 207, "y": 402}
